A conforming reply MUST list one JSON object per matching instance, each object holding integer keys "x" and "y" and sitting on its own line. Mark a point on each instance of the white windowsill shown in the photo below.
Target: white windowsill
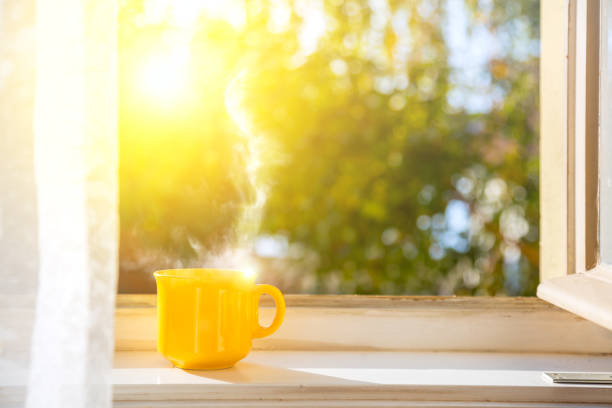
{"x": 360, "y": 351}
{"x": 351, "y": 378}
{"x": 586, "y": 294}
{"x": 336, "y": 378}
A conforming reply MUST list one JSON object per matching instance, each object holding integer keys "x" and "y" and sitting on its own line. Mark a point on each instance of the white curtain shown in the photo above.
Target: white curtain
{"x": 58, "y": 207}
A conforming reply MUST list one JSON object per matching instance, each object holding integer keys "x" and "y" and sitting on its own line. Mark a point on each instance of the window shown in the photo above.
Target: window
{"x": 576, "y": 203}
{"x": 397, "y": 143}
{"x": 59, "y": 224}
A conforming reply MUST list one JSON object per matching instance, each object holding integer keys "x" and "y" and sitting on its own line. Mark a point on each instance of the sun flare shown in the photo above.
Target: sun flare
{"x": 249, "y": 272}
{"x": 164, "y": 76}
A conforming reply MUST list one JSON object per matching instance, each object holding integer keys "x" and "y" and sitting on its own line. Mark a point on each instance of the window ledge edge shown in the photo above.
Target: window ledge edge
{"x": 584, "y": 294}
{"x": 343, "y": 323}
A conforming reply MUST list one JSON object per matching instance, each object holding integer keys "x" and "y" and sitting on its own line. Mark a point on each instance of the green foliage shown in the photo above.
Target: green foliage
{"x": 363, "y": 158}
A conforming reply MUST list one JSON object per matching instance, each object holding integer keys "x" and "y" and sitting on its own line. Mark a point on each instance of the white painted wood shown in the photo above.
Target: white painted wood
{"x": 553, "y": 135}
{"x": 364, "y": 378}
{"x": 586, "y": 294}
{"x": 398, "y": 323}
{"x": 377, "y": 376}
{"x": 338, "y": 379}
{"x": 579, "y": 143}
{"x": 605, "y": 134}
{"x": 350, "y": 404}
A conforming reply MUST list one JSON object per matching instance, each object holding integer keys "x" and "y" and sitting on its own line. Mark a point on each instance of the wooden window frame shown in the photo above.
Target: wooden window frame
{"x": 471, "y": 324}
{"x": 572, "y": 276}
{"x": 397, "y": 323}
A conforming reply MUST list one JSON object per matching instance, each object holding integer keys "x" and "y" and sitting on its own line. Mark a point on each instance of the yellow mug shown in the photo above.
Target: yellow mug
{"x": 206, "y": 318}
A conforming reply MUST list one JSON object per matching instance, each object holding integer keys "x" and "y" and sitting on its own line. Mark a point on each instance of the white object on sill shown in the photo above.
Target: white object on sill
{"x": 579, "y": 378}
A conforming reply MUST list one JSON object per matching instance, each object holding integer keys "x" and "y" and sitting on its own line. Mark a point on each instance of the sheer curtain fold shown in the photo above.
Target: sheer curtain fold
{"x": 61, "y": 147}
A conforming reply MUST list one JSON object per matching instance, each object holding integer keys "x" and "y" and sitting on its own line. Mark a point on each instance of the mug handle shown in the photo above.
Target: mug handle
{"x": 279, "y": 301}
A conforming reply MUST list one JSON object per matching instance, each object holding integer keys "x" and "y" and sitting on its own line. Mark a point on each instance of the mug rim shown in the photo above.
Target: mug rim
{"x": 200, "y": 273}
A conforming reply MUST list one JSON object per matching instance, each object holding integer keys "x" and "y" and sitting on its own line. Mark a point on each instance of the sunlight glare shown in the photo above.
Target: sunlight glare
{"x": 249, "y": 271}
{"x": 164, "y": 76}
{"x": 186, "y": 13}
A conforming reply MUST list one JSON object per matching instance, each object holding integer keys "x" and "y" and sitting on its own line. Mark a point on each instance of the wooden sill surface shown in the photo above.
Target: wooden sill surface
{"x": 349, "y": 379}
{"x": 332, "y": 378}
{"x": 397, "y": 323}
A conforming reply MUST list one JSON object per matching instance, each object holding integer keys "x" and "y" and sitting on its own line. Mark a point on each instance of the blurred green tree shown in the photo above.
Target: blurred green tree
{"x": 397, "y": 143}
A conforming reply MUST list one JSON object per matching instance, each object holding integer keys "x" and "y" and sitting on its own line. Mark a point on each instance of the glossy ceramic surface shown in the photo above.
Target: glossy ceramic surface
{"x": 207, "y": 317}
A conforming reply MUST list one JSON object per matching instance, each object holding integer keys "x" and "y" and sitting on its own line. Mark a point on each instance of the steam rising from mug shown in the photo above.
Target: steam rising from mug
{"x": 190, "y": 192}
{"x": 235, "y": 252}
{"x": 234, "y": 97}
